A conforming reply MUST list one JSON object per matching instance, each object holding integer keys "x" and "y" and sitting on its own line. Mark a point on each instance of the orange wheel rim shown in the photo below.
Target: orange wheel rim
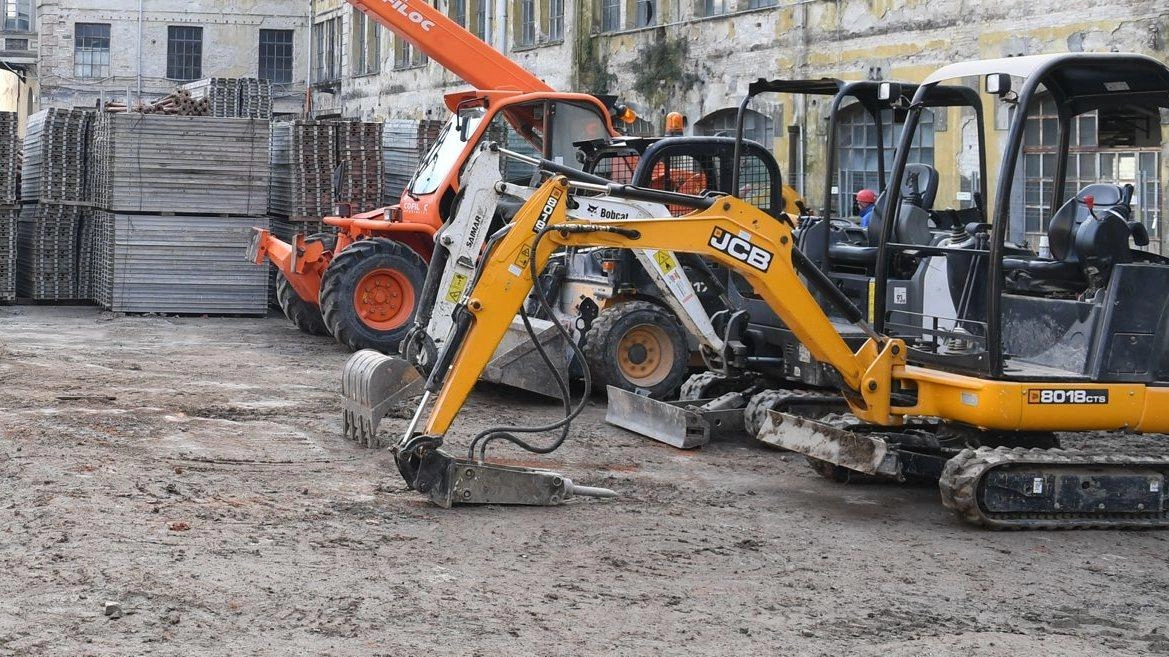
{"x": 645, "y": 355}
{"x": 384, "y": 299}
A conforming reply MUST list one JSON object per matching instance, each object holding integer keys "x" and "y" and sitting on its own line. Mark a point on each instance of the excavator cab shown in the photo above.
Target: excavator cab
{"x": 1055, "y": 280}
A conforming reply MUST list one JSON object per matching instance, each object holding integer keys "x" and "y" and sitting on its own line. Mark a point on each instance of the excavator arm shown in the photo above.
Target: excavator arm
{"x": 725, "y": 229}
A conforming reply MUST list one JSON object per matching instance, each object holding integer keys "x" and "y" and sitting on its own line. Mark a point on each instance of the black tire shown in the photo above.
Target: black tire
{"x": 304, "y": 315}
{"x": 637, "y": 345}
{"x": 351, "y": 268}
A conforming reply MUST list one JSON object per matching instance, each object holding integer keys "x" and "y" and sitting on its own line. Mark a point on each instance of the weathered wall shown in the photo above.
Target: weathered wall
{"x": 417, "y": 92}
{"x": 230, "y": 45}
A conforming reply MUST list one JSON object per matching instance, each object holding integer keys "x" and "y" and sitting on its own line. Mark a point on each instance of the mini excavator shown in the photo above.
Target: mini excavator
{"x": 981, "y": 421}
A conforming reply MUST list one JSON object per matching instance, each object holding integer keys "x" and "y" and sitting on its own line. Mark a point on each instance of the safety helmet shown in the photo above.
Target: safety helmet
{"x": 866, "y": 196}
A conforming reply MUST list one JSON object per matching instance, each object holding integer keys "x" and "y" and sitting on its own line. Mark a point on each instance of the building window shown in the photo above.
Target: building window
{"x": 610, "y": 15}
{"x": 756, "y": 126}
{"x": 458, "y": 12}
{"x": 526, "y": 30}
{"x": 857, "y": 150}
{"x": 479, "y": 19}
{"x": 184, "y": 52}
{"x": 367, "y": 50}
{"x": 406, "y": 55}
{"x": 275, "y": 56}
{"x": 18, "y": 14}
{"x": 759, "y": 4}
{"x": 91, "y": 50}
{"x": 327, "y": 49}
{"x": 645, "y": 13}
{"x": 1116, "y": 146}
{"x": 713, "y": 7}
{"x": 554, "y": 20}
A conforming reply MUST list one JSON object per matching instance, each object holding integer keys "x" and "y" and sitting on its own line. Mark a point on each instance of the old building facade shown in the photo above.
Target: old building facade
{"x": 94, "y": 49}
{"x": 698, "y": 56}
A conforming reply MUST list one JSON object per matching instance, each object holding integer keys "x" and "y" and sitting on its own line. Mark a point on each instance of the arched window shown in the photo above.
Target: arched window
{"x": 756, "y": 126}
{"x": 1120, "y": 146}
{"x": 856, "y": 155}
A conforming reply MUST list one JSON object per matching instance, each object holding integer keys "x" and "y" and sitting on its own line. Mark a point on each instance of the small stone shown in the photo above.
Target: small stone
{"x": 112, "y": 609}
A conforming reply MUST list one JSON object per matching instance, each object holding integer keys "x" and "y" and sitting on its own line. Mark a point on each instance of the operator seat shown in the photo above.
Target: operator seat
{"x": 1076, "y": 240}
{"x": 918, "y": 192}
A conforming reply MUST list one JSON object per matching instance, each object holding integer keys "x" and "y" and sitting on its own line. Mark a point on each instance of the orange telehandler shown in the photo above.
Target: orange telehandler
{"x": 362, "y": 284}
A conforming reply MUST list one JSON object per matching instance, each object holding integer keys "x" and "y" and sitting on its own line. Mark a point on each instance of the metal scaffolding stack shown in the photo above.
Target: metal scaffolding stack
{"x": 54, "y": 167}
{"x": 404, "y": 142}
{"x": 53, "y": 190}
{"x": 47, "y": 251}
{"x": 302, "y": 156}
{"x": 177, "y": 264}
{"x": 9, "y": 211}
{"x": 177, "y": 197}
{"x": 234, "y": 97}
{"x": 183, "y": 164}
{"x": 359, "y": 149}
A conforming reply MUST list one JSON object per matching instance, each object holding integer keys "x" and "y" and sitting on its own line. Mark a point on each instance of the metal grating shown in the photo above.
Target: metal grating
{"x": 47, "y": 251}
{"x": 404, "y": 142}
{"x": 177, "y": 264}
{"x": 182, "y": 164}
{"x": 54, "y": 155}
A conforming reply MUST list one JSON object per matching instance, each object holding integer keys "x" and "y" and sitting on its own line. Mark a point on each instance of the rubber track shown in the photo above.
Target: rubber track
{"x": 961, "y": 478}
{"x": 755, "y": 414}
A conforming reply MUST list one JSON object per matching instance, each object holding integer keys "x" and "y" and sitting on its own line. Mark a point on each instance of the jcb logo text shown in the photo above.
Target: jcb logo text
{"x": 741, "y": 249}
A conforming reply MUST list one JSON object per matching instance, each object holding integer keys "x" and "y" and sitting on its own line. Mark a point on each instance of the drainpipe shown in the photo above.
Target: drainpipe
{"x": 140, "y": 17}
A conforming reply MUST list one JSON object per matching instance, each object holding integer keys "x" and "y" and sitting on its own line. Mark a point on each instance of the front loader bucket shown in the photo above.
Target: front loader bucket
{"x": 372, "y": 385}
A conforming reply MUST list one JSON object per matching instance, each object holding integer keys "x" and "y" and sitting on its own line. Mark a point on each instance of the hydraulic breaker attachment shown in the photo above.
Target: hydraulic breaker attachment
{"x": 683, "y": 424}
{"x": 448, "y": 481}
{"x": 372, "y": 385}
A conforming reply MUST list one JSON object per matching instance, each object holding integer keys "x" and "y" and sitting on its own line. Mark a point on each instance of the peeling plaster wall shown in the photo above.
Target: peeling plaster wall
{"x": 230, "y": 45}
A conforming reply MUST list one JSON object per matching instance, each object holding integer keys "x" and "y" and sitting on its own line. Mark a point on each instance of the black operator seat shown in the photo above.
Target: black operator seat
{"x": 917, "y": 193}
{"x": 1076, "y": 239}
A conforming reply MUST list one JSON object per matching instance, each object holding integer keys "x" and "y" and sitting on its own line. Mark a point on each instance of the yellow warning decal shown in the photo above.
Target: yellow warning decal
{"x": 458, "y": 285}
{"x": 665, "y": 261}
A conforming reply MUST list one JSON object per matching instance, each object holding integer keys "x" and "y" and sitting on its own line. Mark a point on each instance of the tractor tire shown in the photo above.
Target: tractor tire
{"x": 304, "y": 315}
{"x": 637, "y": 345}
{"x": 369, "y": 294}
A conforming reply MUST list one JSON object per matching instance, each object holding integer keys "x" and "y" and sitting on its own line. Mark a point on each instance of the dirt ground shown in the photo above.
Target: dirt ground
{"x": 192, "y": 471}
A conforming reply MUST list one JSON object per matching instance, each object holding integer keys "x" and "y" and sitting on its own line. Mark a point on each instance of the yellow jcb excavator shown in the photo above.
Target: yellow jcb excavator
{"x": 980, "y": 419}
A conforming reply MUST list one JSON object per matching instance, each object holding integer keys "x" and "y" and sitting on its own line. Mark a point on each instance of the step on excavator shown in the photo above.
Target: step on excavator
{"x": 362, "y": 284}
{"x": 1070, "y": 342}
{"x": 614, "y": 302}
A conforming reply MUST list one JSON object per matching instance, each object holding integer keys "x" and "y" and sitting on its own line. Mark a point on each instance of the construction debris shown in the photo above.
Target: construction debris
{"x": 181, "y": 164}
{"x": 248, "y": 98}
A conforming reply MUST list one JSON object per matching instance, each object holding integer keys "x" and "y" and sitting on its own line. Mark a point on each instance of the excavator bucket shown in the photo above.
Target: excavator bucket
{"x": 372, "y": 385}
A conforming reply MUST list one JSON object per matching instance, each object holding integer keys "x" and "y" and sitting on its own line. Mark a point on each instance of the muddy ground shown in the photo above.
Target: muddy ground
{"x": 192, "y": 472}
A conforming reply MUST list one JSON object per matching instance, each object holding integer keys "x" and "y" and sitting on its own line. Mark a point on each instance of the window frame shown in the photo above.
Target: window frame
{"x": 365, "y": 51}
{"x": 89, "y": 45}
{"x": 192, "y": 56}
{"x": 279, "y": 55}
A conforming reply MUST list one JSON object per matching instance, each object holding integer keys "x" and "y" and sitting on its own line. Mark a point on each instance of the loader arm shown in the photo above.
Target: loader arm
{"x": 730, "y": 231}
{"x": 449, "y": 44}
